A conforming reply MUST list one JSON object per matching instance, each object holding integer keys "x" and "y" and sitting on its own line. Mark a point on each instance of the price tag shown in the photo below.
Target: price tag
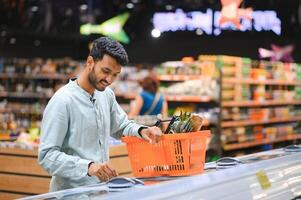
{"x": 263, "y": 180}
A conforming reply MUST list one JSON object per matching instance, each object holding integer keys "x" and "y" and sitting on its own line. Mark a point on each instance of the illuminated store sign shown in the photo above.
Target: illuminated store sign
{"x": 112, "y": 27}
{"x": 208, "y": 22}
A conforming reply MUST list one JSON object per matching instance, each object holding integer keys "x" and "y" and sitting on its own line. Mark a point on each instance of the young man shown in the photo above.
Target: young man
{"x": 80, "y": 118}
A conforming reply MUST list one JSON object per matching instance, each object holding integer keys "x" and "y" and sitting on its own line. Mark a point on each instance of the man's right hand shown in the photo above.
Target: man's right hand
{"x": 102, "y": 171}
{"x": 151, "y": 134}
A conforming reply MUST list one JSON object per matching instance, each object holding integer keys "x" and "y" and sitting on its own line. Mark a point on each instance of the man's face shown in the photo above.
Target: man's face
{"x": 103, "y": 72}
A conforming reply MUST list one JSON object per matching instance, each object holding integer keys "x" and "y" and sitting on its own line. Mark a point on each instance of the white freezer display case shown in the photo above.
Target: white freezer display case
{"x": 272, "y": 174}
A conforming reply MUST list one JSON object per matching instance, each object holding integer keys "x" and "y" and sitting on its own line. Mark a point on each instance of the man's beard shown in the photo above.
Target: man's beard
{"x": 92, "y": 80}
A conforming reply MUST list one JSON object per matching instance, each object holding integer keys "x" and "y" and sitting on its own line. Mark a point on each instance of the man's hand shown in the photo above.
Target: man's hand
{"x": 102, "y": 171}
{"x": 151, "y": 134}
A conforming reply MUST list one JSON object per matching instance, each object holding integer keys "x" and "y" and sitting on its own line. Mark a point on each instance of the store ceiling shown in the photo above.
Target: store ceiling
{"x": 55, "y": 16}
{"x": 38, "y": 27}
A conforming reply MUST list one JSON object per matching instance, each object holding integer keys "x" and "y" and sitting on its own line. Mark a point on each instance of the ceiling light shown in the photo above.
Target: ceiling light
{"x": 199, "y": 31}
{"x": 168, "y": 7}
{"x": 130, "y": 5}
{"x": 34, "y": 8}
{"x": 84, "y": 7}
{"x": 12, "y": 40}
{"x": 156, "y": 33}
{"x": 3, "y": 33}
{"x": 37, "y": 43}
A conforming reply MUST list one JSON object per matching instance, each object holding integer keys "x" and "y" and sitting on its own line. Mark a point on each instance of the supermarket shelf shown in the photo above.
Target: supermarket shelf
{"x": 7, "y": 138}
{"x": 8, "y": 76}
{"x": 64, "y": 77}
{"x": 187, "y": 98}
{"x": 257, "y": 103}
{"x": 49, "y": 76}
{"x": 178, "y": 77}
{"x": 21, "y": 111}
{"x": 125, "y": 95}
{"x": 175, "y": 98}
{"x": 255, "y": 122}
{"x": 14, "y": 151}
{"x": 35, "y": 76}
{"x": 243, "y": 145}
{"x": 25, "y": 95}
{"x": 262, "y": 82}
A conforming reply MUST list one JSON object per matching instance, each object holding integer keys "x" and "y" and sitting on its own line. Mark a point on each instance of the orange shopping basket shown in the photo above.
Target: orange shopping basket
{"x": 175, "y": 155}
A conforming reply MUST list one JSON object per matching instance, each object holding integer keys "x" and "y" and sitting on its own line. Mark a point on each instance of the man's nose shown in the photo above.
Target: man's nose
{"x": 109, "y": 79}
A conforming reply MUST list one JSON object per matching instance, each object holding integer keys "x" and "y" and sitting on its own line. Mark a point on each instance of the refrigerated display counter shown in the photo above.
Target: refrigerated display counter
{"x": 274, "y": 174}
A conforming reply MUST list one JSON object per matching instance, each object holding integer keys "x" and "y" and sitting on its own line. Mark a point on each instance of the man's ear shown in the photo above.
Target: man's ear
{"x": 90, "y": 62}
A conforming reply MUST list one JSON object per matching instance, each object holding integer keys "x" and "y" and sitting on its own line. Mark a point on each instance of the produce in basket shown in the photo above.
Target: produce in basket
{"x": 185, "y": 122}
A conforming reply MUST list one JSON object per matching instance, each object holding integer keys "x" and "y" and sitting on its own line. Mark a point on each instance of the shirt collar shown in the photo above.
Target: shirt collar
{"x": 84, "y": 92}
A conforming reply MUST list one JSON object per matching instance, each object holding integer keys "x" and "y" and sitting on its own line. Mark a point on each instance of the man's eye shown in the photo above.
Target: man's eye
{"x": 105, "y": 71}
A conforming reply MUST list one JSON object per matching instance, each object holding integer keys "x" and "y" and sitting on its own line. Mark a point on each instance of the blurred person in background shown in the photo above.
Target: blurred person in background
{"x": 81, "y": 116}
{"x": 149, "y": 101}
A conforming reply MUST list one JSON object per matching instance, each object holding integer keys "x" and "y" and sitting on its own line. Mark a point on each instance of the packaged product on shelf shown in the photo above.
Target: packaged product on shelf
{"x": 204, "y": 87}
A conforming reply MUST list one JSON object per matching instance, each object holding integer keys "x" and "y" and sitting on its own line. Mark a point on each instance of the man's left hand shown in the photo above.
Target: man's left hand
{"x": 151, "y": 134}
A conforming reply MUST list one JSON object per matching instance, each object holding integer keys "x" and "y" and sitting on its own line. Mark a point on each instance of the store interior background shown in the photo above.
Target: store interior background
{"x": 50, "y": 29}
{"x": 258, "y": 108}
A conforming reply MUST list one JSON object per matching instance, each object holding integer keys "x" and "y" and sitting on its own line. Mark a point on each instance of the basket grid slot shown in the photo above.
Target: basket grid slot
{"x": 163, "y": 168}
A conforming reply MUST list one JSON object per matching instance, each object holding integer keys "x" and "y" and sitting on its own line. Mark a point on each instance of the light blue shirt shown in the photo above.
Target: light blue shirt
{"x": 76, "y": 131}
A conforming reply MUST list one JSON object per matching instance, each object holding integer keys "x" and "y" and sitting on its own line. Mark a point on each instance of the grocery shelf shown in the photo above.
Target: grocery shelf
{"x": 243, "y": 145}
{"x": 21, "y": 111}
{"x": 175, "y": 98}
{"x": 261, "y": 82}
{"x": 126, "y": 95}
{"x": 6, "y": 137}
{"x": 8, "y": 76}
{"x": 36, "y": 76}
{"x": 257, "y": 103}
{"x": 178, "y": 77}
{"x": 187, "y": 98}
{"x": 25, "y": 95}
{"x": 250, "y": 122}
{"x": 3, "y": 94}
{"x": 49, "y": 76}
{"x": 260, "y": 79}
{"x": 13, "y": 151}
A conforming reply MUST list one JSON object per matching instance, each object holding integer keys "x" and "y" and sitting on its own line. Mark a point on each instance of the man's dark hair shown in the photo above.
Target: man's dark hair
{"x": 106, "y": 45}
